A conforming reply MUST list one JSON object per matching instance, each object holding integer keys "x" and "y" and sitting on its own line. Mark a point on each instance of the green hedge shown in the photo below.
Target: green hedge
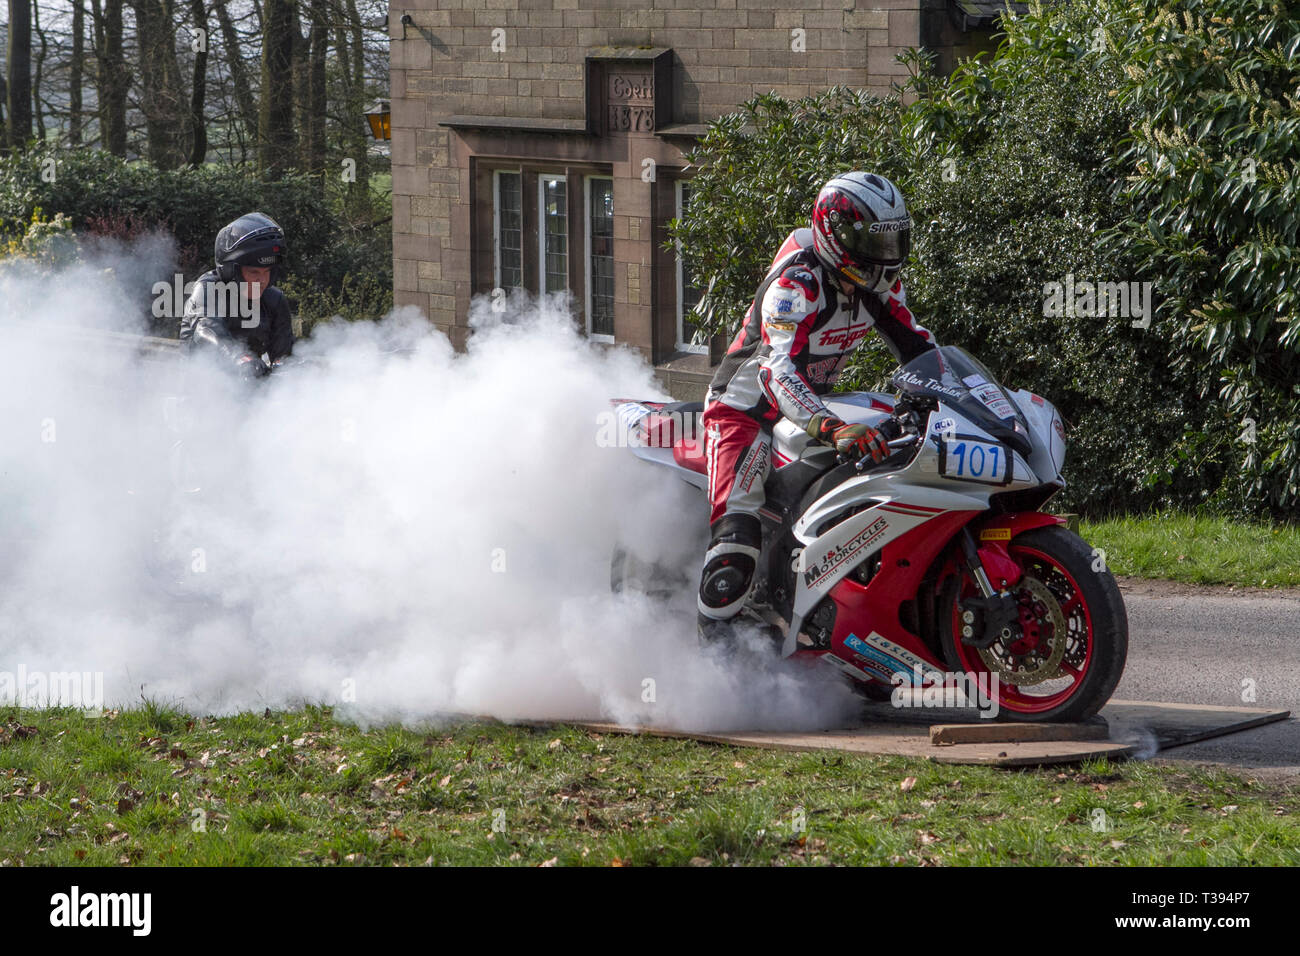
{"x": 333, "y": 265}
{"x": 1037, "y": 163}
{"x": 1211, "y": 183}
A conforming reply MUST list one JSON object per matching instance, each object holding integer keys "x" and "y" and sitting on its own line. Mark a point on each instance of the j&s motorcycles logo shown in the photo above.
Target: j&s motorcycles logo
{"x": 836, "y": 557}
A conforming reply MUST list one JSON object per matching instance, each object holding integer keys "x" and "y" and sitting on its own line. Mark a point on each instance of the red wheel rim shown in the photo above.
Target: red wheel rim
{"x": 1078, "y": 636}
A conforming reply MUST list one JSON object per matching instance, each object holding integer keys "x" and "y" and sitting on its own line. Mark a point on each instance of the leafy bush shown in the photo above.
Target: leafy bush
{"x": 1015, "y": 181}
{"x": 50, "y": 242}
{"x": 103, "y": 195}
{"x": 1212, "y": 185}
{"x": 359, "y": 296}
{"x": 192, "y": 204}
{"x": 1041, "y": 162}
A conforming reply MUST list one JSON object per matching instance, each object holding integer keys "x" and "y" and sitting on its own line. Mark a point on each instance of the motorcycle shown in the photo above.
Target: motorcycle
{"x": 937, "y": 562}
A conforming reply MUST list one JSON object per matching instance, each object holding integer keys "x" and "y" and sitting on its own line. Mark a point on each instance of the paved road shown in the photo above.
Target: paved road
{"x": 1198, "y": 645}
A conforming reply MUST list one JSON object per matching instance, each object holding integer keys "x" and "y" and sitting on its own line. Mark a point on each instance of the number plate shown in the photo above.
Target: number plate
{"x": 969, "y": 459}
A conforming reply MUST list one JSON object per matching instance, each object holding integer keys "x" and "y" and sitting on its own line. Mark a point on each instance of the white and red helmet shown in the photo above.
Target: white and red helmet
{"x": 861, "y": 230}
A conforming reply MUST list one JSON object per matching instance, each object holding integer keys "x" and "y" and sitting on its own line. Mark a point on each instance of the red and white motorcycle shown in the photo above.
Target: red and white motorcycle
{"x": 937, "y": 561}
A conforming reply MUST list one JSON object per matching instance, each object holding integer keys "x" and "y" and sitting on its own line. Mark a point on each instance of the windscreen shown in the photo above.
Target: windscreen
{"x": 954, "y": 376}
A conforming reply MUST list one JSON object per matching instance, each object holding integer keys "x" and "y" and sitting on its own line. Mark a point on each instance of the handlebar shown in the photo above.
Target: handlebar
{"x": 894, "y": 445}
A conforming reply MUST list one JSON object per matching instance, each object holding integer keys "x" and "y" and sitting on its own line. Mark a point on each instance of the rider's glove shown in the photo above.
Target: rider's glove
{"x": 851, "y": 441}
{"x": 252, "y": 366}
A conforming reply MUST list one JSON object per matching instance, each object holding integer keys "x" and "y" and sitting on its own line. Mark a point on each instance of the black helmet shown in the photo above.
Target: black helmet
{"x": 251, "y": 240}
{"x": 861, "y": 229}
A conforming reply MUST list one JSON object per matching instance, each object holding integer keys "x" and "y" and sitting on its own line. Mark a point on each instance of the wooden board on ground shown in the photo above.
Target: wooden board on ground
{"x": 1176, "y": 724}
{"x": 995, "y": 732}
{"x": 904, "y": 740}
{"x": 1136, "y": 728}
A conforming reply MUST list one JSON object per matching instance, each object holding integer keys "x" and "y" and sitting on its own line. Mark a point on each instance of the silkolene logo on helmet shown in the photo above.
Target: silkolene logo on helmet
{"x": 891, "y": 225}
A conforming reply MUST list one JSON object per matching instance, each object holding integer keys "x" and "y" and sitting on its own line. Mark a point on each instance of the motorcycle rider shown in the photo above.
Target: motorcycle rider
{"x": 234, "y": 310}
{"x": 827, "y": 287}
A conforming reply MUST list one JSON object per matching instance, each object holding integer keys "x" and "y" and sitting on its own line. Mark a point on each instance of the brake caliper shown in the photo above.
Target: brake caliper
{"x": 987, "y": 620}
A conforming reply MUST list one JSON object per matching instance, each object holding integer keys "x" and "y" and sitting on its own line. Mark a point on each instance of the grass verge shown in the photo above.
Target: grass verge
{"x": 1198, "y": 550}
{"x": 152, "y": 786}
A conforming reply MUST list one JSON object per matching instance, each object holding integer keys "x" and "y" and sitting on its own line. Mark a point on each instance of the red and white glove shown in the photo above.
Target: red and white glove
{"x": 851, "y": 441}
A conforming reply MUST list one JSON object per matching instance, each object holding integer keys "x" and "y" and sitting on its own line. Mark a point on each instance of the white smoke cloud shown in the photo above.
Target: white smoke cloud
{"x": 398, "y": 530}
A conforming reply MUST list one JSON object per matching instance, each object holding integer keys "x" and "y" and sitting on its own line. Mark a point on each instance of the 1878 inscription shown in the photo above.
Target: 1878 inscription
{"x": 630, "y": 102}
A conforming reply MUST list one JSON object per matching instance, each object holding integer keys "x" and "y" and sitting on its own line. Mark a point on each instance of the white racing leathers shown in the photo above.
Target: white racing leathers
{"x": 795, "y": 340}
{"x": 798, "y": 333}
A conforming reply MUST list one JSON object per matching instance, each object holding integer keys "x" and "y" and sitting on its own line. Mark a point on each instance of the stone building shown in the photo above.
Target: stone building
{"x": 540, "y": 143}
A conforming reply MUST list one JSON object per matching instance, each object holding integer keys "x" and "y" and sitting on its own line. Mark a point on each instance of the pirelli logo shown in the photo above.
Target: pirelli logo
{"x": 995, "y": 534}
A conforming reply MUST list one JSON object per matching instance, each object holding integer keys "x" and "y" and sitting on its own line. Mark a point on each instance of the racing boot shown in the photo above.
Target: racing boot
{"x": 728, "y": 575}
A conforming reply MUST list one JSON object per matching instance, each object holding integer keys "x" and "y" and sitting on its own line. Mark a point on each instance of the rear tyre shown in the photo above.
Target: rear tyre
{"x": 629, "y": 574}
{"x": 1072, "y": 640}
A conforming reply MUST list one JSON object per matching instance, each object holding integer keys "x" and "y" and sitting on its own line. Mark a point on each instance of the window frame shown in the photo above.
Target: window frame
{"x": 496, "y": 227}
{"x": 683, "y": 344}
{"x": 542, "y": 178}
{"x": 587, "y": 270}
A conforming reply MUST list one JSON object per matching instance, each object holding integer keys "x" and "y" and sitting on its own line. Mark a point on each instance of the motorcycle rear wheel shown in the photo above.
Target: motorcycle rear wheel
{"x": 631, "y": 574}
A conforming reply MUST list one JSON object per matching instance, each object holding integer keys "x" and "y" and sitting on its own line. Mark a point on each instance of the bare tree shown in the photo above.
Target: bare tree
{"x": 315, "y": 115}
{"x": 19, "y": 87}
{"x": 76, "y": 67}
{"x": 234, "y": 62}
{"x": 39, "y": 72}
{"x": 349, "y": 42}
{"x": 160, "y": 83}
{"x": 111, "y": 78}
{"x": 275, "y": 119}
{"x": 132, "y": 77}
{"x": 300, "y": 69}
{"x": 199, "y": 88}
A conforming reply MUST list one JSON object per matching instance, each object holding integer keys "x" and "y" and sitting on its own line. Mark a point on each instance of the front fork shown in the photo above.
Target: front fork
{"x": 993, "y": 614}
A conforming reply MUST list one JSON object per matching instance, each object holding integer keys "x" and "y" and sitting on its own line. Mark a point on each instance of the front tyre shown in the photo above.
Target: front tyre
{"x": 1067, "y": 652}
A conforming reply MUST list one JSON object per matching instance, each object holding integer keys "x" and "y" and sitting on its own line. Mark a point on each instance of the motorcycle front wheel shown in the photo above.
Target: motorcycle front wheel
{"x": 1067, "y": 650}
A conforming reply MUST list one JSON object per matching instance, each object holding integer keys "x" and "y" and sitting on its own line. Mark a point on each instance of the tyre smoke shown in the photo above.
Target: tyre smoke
{"x": 393, "y": 529}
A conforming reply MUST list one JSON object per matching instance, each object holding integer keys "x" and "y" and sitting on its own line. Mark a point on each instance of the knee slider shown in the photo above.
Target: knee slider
{"x": 727, "y": 578}
{"x": 729, "y": 565}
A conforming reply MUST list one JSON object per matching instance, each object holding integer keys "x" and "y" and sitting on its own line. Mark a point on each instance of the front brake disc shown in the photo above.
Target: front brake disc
{"x": 1034, "y": 667}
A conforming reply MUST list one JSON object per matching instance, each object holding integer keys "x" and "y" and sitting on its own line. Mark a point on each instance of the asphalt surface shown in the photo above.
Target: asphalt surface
{"x": 1200, "y": 645}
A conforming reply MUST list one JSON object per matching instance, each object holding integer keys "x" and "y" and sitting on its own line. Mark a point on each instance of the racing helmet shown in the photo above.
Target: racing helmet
{"x": 251, "y": 240}
{"x": 861, "y": 230}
